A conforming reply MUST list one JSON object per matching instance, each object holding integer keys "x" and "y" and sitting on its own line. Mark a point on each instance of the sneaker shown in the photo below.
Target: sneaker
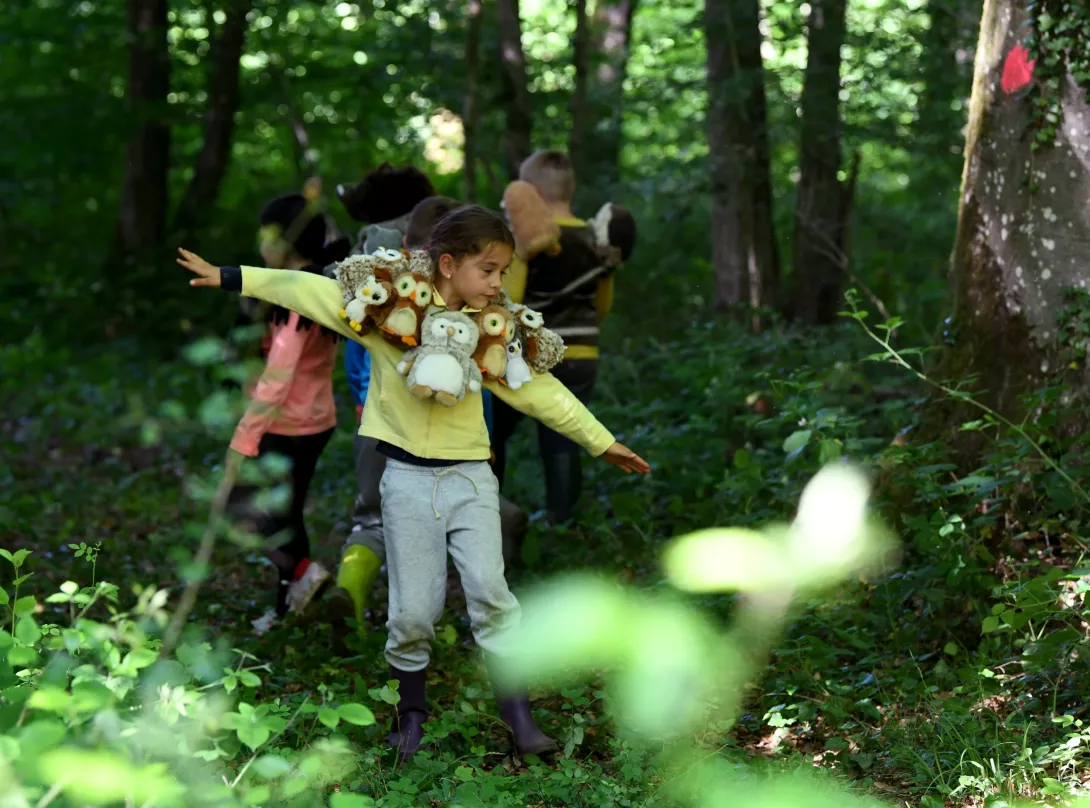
{"x": 310, "y": 579}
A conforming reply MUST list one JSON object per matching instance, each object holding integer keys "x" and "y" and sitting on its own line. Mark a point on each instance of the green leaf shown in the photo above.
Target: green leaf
{"x": 5, "y": 554}
{"x": 27, "y": 631}
{"x": 4, "y": 600}
{"x": 724, "y": 560}
{"x": 741, "y": 459}
{"x": 253, "y": 735}
{"x": 989, "y": 625}
{"x": 270, "y": 767}
{"x": 19, "y": 557}
{"x": 99, "y": 777}
{"x": 50, "y": 699}
{"x": 205, "y": 351}
{"x": 950, "y": 648}
{"x": 249, "y": 678}
{"x": 69, "y": 587}
{"x": 24, "y": 606}
{"x": 329, "y": 717}
{"x": 464, "y": 773}
{"x": 356, "y": 714}
{"x": 346, "y": 799}
{"x": 797, "y": 441}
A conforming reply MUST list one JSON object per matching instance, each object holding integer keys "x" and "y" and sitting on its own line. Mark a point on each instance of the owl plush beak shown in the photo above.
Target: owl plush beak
{"x": 450, "y": 330}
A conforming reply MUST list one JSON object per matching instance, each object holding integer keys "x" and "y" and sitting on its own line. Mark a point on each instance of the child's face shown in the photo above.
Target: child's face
{"x": 478, "y": 278}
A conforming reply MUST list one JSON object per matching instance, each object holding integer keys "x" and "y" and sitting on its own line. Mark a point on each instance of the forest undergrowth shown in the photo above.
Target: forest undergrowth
{"x": 954, "y": 678}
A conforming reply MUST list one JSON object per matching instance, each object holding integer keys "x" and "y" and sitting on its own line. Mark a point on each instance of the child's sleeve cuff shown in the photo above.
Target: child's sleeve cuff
{"x": 231, "y": 279}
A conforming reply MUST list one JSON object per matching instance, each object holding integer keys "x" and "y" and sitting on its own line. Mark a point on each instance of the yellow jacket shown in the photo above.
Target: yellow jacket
{"x": 393, "y": 414}
{"x": 514, "y": 283}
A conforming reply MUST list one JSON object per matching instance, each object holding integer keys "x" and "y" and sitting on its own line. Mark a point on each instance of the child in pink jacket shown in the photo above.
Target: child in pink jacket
{"x": 292, "y": 411}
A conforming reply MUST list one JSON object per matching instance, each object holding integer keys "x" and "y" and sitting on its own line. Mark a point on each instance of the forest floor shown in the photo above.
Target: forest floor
{"x": 889, "y": 684}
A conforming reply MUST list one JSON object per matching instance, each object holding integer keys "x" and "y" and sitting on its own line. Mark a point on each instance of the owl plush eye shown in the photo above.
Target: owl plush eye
{"x": 493, "y": 325}
{"x": 378, "y": 295}
{"x": 530, "y": 318}
{"x": 423, "y": 293}
{"x": 387, "y": 254}
{"x": 405, "y": 287}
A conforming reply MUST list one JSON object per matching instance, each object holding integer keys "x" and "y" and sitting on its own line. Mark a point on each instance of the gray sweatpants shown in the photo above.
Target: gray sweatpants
{"x": 424, "y": 511}
{"x": 367, "y": 510}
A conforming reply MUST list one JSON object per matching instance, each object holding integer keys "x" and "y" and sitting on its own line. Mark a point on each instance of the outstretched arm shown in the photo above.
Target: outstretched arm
{"x": 313, "y": 296}
{"x": 550, "y": 402}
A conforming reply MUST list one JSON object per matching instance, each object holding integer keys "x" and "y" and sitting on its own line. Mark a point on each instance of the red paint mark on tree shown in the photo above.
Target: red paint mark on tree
{"x": 1017, "y": 70}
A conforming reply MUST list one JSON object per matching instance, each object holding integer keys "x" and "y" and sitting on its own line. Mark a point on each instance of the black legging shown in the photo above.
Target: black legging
{"x": 303, "y": 451}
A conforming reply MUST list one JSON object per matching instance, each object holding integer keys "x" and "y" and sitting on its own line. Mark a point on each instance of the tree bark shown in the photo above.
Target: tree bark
{"x": 612, "y": 29}
{"x": 730, "y": 236}
{"x": 579, "y": 112}
{"x": 1023, "y": 235}
{"x": 141, "y": 222}
{"x": 819, "y": 258}
{"x": 739, "y": 161}
{"x": 520, "y": 119}
{"x": 474, "y": 15}
{"x": 219, "y": 122}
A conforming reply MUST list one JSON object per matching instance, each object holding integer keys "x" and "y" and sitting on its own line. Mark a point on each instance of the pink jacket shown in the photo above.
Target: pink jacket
{"x": 294, "y": 395}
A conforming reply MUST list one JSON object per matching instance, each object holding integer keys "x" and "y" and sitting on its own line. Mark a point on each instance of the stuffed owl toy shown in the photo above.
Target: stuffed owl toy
{"x": 497, "y": 328}
{"x": 531, "y": 221}
{"x": 412, "y": 296}
{"x": 517, "y": 371}
{"x": 420, "y": 263}
{"x": 541, "y": 348}
{"x": 365, "y": 288}
{"x": 614, "y": 234}
{"x": 442, "y": 368}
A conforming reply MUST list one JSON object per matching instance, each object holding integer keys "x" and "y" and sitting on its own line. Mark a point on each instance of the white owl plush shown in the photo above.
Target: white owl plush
{"x": 518, "y": 372}
{"x": 442, "y": 367}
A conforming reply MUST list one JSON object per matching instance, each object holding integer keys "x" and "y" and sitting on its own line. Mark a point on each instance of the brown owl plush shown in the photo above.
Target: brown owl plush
{"x": 366, "y": 289}
{"x": 531, "y": 221}
{"x": 497, "y": 327}
{"x": 542, "y": 348}
{"x": 413, "y": 295}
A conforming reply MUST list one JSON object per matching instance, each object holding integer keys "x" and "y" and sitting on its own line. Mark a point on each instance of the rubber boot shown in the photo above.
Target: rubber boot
{"x": 356, "y": 578}
{"x": 563, "y": 481}
{"x": 412, "y": 711}
{"x": 515, "y": 712}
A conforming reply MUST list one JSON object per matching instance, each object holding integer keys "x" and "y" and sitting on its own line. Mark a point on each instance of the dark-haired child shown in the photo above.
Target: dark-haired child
{"x": 438, "y": 490}
{"x": 292, "y": 411}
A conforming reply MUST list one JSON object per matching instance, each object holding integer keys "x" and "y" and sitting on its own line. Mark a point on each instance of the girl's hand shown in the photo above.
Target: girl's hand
{"x": 625, "y": 459}
{"x": 207, "y": 275}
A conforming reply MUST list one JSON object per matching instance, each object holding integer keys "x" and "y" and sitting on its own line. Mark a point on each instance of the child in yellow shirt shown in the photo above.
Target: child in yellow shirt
{"x": 438, "y": 489}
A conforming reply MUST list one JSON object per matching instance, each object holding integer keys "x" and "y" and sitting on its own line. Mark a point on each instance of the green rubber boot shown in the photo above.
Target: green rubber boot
{"x": 355, "y": 579}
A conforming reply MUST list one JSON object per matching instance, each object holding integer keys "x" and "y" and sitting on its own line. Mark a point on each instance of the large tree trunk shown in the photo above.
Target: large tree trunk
{"x": 612, "y": 35}
{"x": 141, "y": 221}
{"x": 745, "y": 255}
{"x": 219, "y": 122}
{"x": 1023, "y": 233}
{"x": 470, "y": 115}
{"x": 819, "y": 257}
{"x": 577, "y": 140}
{"x": 520, "y": 119}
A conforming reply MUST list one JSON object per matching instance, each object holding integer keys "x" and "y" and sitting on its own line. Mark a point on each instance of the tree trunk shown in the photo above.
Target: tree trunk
{"x": 819, "y": 257}
{"x": 577, "y": 140}
{"x": 141, "y": 222}
{"x": 520, "y": 120}
{"x": 738, "y": 148}
{"x": 612, "y": 29}
{"x": 469, "y": 113}
{"x": 730, "y": 236}
{"x": 219, "y": 122}
{"x": 1023, "y": 235}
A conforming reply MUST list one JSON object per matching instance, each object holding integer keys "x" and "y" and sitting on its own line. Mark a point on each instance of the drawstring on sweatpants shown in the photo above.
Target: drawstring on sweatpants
{"x": 435, "y": 490}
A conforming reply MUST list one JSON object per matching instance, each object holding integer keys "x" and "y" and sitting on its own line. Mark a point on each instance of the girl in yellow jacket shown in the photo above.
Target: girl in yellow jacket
{"x": 438, "y": 489}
